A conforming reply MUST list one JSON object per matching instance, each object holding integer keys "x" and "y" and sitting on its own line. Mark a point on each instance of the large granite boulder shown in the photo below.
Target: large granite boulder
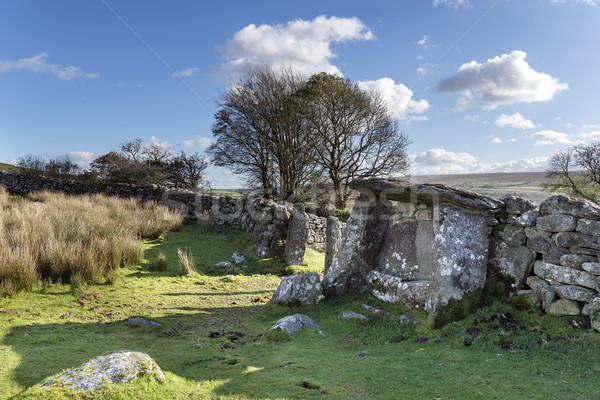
{"x": 119, "y": 366}
{"x": 297, "y": 236}
{"x": 566, "y": 205}
{"x": 302, "y": 289}
{"x": 333, "y": 240}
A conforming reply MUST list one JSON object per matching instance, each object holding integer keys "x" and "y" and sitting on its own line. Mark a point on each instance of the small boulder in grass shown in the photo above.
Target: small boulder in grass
{"x": 138, "y": 321}
{"x": 239, "y": 258}
{"x": 301, "y": 289}
{"x": 293, "y": 323}
{"x": 224, "y": 264}
{"x": 119, "y": 366}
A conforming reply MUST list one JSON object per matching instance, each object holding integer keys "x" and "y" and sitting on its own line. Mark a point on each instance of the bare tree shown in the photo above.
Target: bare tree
{"x": 187, "y": 171}
{"x": 575, "y": 171}
{"x": 32, "y": 163}
{"x": 131, "y": 148}
{"x": 259, "y": 131}
{"x": 354, "y": 134}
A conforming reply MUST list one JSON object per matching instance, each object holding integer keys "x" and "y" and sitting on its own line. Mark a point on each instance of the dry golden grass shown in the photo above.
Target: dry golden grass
{"x": 3, "y": 196}
{"x": 74, "y": 239}
{"x": 186, "y": 262}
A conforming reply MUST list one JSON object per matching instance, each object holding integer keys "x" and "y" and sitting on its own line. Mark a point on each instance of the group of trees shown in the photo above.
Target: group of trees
{"x": 55, "y": 167}
{"x": 286, "y": 133}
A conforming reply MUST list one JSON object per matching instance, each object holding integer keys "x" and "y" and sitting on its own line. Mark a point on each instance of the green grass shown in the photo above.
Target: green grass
{"x": 522, "y": 355}
{"x": 9, "y": 168}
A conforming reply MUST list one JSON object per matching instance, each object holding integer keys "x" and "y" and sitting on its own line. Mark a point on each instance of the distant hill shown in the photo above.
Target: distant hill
{"x": 524, "y": 184}
{"x": 8, "y": 167}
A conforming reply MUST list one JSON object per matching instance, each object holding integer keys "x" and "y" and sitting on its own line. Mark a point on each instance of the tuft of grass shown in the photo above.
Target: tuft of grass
{"x": 160, "y": 264}
{"x": 3, "y": 196}
{"x": 206, "y": 222}
{"x": 186, "y": 262}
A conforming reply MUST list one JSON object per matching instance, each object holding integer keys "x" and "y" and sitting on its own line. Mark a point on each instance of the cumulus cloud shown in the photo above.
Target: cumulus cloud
{"x": 496, "y": 140}
{"x": 456, "y": 4}
{"x": 200, "y": 141}
{"x": 39, "y": 63}
{"x": 399, "y": 98}
{"x": 441, "y": 162}
{"x": 185, "y": 73}
{"x": 305, "y": 45}
{"x": 501, "y": 80}
{"x": 83, "y": 159}
{"x": 548, "y": 137}
{"x": 515, "y": 120}
{"x": 162, "y": 144}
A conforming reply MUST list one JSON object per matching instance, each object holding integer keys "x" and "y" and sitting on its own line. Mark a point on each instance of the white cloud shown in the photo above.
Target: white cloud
{"x": 200, "y": 141}
{"x": 39, "y": 63}
{"x": 451, "y": 3}
{"x": 501, "y": 80}
{"x": 399, "y": 98}
{"x": 83, "y": 159}
{"x": 472, "y": 117}
{"x": 441, "y": 161}
{"x": 185, "y": 73}
{"x": 515, "y": 120}
{"x": 595, "y": 135}
{"x": 496, "y": 140}
{"x": 421, "y": 70}
{"x": 423, "y": 42}
{"x": 163, "y": 145}
{"x": 590, "y": 126}
{"x": 304, "y": 45}
{"x": 548, "y": 137}
{"x": 588, "y": 2}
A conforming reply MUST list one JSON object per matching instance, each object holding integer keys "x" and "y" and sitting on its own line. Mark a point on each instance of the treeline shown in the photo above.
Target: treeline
{"x": 133, "y": 164}
{"x": 286, "y": 133}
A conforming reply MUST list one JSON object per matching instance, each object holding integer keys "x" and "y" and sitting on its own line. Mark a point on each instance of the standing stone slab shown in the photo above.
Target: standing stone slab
{"x": 393, "y": 289}
{"x": 511, "y": 260}
{"x": 302, "y": 289}
{"x": 297, "y": 236}
{"x": 333, "y": 240}
{"x": 557, "y": 223}
{"x": 562, "y": 274}
{"x": 119, "y": 366}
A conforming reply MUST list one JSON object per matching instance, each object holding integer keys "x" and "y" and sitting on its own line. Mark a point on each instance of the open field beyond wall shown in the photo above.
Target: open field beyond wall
{"x": 211, "y": 344}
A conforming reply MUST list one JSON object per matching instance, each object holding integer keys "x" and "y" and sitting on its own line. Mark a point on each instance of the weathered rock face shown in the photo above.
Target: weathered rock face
{"x": 293, "y": 323}
{"x": 557, "y": 223}
{"x": 393, "y": 289}
{"x": 302, "y": 289}
{"x": 333, "y": 240}
{"x": 576, "y": 207}
{"x": 511, "y": 260}
{"x": 563, "y": 307}
{"x": 562, "y": 274}
{"x": 517, "y": 205}
{"x": 512, "y": 234}
{"x": 528, "y": 219}
{"x": 116, "y": 367}
{"x": 542, "y": 290}
{"x": 360, "y": 246}
{"x": 571, "y": 292}
{"x": 296, "y": 236}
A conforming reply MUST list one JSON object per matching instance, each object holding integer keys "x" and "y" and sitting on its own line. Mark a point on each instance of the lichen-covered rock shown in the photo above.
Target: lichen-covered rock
{"x": 512, "y": 234}
{"x": 576, "y": 239}
{"x": 511, "y": 260}
{"x": 333, "y": 240}
{"x": 353, "y": 315}
{"x": 565, "y": 205}
{"x": 239, "y": 258}
{"x": 528, "y": 219}
{"x": 588, "y": 226}
{"x": 517, "y": 205}
{"x": 563, "y": 307}
{"x": 594, "y": 304}
{"x": 532, "y": 232}
{"x": 591, "y": 267}
{"x": 302, "y": 289}
{"x": 573, "y": 260}
{"x": 297, "y": 236}
{"x": 542, "y": 290}
{"x": 293, "y": 323}
{"x": 562, "y": 274}
{"x": 554, "y": 255}
{"x": 595, "y": 320}
{"x": 119, "y": 366}
{"x": 393, "y": 289}
{"x": 540, "y": 244}
{"x": 572, "y": 292}
{"x": 557, "y": 223}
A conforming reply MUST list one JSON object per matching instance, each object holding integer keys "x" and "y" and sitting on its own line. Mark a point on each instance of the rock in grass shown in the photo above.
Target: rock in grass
{"x": 239, "y": 258}
{"x": 293, "y": 323}
{"x": 137, "y": 321}
{"x": 301, "y": 289}
{"x": 119, "y": 366}
{"x": 224, "y": 264}
{"x": 352, "y": 314}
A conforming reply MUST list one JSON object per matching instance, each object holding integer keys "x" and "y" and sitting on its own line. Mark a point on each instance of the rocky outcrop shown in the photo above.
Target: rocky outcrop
{"x": 302, "y": 289}
{"x": 119, "y": 366}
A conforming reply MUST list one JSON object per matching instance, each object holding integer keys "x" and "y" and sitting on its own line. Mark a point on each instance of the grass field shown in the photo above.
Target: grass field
{"x": 211, "y": 345}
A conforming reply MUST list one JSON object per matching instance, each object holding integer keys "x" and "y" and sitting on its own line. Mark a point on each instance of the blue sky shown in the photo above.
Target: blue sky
{"x": 478, "y": 86}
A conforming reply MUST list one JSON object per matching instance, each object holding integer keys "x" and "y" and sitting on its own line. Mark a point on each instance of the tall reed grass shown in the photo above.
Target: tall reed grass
{"x": 3, "y": 196}
{"x": 56, "y": 237}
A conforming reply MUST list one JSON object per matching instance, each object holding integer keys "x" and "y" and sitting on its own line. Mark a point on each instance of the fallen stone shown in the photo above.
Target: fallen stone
{"x": 119, "y": 366}
{"x": 224, "y": 264}
{"x": 137, "y": 321}
{"x": 540, "y": 244}
{"x": 517, "y": 205}
{"x": 571, "y": 292}
{"x": 594, "y": 304}
{"x": 532, "y": 232}
{"x": 528, "y": 219}
{"x": 563, "y": 307}
{"x": 595, "y": 320}
{"x": 542, "y": 290}
{"x": 297, "y": 235}
{"x": 393, "y": 289}
{"x": 333, "y": 240}
{"x": 588, "y": 226}
{"x": 511, "y": 260}
{"x": 562, "y": 274}
{"x": 557, "y": 223}
{"x": 352, "y": 314}
{"x": 293, "y": 323}
{"x": 404, "y": 319}
{"x": 591, "y": 267}
{"x": 239, "y": 258}
{"x": 564, "y": 205}
{"x": 573, "y": 260}
{"x": 301, "y": 289}
{"x": 512, "y": 234}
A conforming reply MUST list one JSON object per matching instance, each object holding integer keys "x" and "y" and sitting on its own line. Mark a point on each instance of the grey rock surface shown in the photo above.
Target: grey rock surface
{"x": 563, "y": 307}
{"x": 507, "y": 259}
{"x": 591, "y": 267}
{"x": 572, "y": 292}
{"x": 393, "y": 289}
{"x": 595, "y": 320}
{"x": 137, "y": 321}
{"x": 557, "y": 223}
{"x": 540, "y": 244}
{"x": 512, "y": 234}
{"x": 562, "y": 274}
{"x": 532, "y": 232}
{"x": 573, "y": 260}
{"x": 224, "y": 264}
{"x": 297, "y": 236}
{"x": 594, "y": 304}
{"x": 353, "y": 315}
{"x": 576, "y": 239}
{"x": 564, "y": 205}
{"x": 528, "y": 219}
{"x": 588, "y": 226}
{"x": 517, "y": 205}
{"x": 542, "y": 290}
{"x": 239, "y": 258}
{"x": 293, "y": 323}
{"x": 333, "y": 240}
{"x": 301, "y": 289}
{"x": 119, "y": 366}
